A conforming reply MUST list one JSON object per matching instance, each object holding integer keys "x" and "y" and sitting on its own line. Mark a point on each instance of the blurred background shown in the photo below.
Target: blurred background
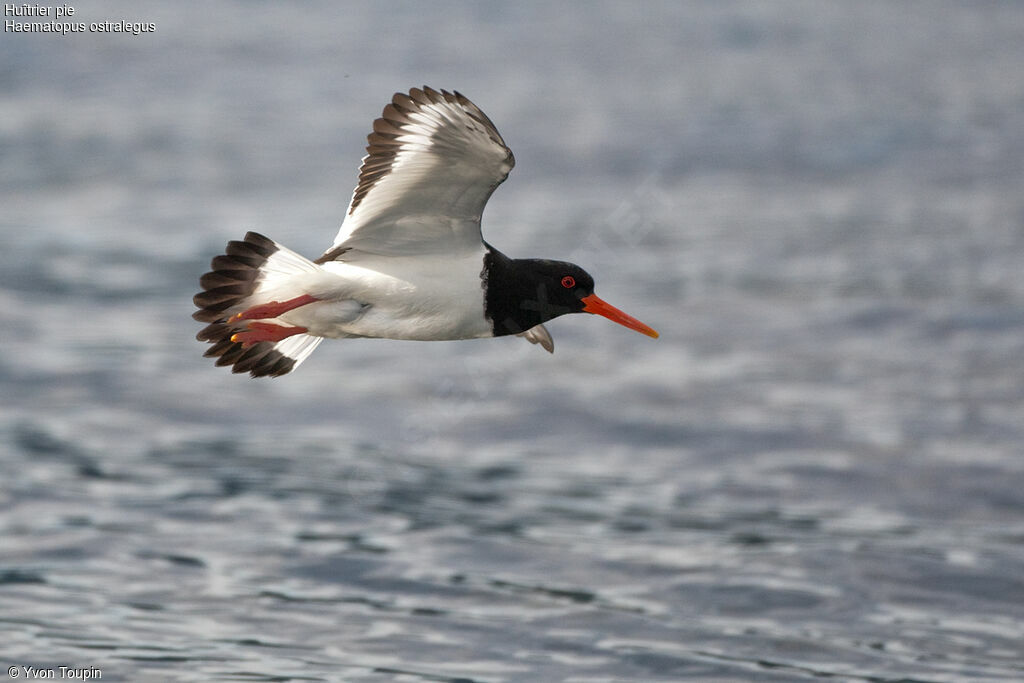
{"x": 816, "y": 471}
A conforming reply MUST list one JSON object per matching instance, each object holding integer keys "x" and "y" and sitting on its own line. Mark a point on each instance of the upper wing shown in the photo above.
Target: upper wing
{"x": 432, "y": 162}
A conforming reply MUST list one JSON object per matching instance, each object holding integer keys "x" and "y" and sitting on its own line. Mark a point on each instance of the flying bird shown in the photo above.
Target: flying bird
{"x": 409, "y": 261}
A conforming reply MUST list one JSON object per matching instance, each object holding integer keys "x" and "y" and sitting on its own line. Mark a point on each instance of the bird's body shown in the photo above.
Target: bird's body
{"x": 397, "y": 297}
{"x": 409, "y": 261}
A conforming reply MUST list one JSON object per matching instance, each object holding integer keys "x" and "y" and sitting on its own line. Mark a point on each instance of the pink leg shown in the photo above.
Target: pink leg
{"x": 260, "y": 332}
{"x": 273, "y": 308}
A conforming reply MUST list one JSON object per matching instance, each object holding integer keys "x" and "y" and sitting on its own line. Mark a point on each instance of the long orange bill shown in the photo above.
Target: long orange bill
{"x": 594, "y": 304}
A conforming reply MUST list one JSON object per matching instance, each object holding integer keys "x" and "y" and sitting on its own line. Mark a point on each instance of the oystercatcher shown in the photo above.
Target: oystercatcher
{"x": 409, "y": 261}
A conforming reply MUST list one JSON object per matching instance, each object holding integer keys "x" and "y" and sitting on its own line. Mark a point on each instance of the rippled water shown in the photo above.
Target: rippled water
{"x": 815, "y": 473}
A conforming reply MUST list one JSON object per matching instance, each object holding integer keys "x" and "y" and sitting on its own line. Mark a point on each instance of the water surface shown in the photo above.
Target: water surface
{"x": 815, "y": 473}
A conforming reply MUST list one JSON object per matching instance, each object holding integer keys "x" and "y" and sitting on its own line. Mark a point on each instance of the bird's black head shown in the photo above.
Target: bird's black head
{"x": 522, "y": 293}
{"x": 552, "y": 288}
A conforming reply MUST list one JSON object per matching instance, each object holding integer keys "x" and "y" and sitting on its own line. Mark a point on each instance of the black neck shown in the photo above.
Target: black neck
{"x": 515, "y": 294}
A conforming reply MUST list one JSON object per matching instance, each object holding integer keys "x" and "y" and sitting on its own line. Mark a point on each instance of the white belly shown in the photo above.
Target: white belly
{"x": 391, "y": 297}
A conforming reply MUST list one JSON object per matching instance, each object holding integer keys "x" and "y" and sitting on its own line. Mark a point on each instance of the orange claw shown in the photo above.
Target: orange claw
{"x": 261, "y": 332}
{"x": 272, "y": 309}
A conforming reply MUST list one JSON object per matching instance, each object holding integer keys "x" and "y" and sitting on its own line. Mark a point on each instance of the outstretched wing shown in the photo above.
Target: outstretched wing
{"x": 433, "y": 160}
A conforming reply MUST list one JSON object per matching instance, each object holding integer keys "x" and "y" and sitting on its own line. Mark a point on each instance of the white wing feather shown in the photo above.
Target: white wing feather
{"x": 432, "y": 162}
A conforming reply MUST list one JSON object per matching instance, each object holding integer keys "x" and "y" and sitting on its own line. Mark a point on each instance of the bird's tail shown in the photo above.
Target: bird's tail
{"x": 252, "y": 272}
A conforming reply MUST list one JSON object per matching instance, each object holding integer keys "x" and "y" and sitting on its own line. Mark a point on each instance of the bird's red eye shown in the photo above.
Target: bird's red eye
{"x": 568, "y": 282}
